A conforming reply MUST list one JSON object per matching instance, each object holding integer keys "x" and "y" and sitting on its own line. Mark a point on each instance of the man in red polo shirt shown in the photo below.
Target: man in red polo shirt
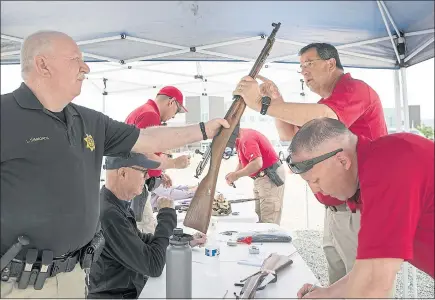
{"x": 258, "y": 160}
{"x": 392, "y": 179}
{"x": 168, "y": 103}
{"x": 349, "y": 100}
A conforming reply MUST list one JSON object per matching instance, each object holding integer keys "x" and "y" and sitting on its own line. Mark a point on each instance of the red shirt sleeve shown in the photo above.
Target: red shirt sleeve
{"x": 147, "y": 119}
{"x": 390, "y": 207}
{"x": 348, "y": 103}
{"x": 250, "y": 150}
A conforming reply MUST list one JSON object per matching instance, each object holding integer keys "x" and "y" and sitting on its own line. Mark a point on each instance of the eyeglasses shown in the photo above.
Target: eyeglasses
{"x": 306, "y": 165}
{"x": 179, "y": 110}
{"x": 308, "y": 64}
{"x": 144, "y": 171}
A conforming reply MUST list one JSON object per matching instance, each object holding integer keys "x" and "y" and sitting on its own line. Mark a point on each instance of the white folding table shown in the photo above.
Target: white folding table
{"x": 206, "y": 285}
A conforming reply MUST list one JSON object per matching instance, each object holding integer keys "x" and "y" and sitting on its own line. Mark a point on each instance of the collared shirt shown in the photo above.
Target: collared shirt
{"x": 252, "y": 144}
{"x": 396, "y": 176}
{"x": 50, "y": 171}
{"x": 145, "y": 116}
{"x": 129, "y": 256}
{"x": 358, "y": 106}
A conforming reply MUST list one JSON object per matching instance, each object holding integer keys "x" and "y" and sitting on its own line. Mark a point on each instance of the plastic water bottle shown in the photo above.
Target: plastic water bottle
{"x": 212, "y": 250}
{"x": 179, "y": 266}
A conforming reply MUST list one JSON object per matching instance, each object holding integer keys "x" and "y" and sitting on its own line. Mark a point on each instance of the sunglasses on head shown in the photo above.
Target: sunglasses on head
{"x": 306, "y": 165}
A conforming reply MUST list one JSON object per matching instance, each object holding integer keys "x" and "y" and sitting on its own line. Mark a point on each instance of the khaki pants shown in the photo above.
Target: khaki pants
{"x": 63, "y": 285}
{"x": 148, "y": 223}
{"x": 340, "y": 241}
{"x": 269, "y": 207}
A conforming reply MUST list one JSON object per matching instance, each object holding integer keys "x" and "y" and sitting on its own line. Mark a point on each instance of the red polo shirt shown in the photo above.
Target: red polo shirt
{"x": 396, "y": 177}
{"x": 144, "y": 116}
{"x": 252, "y": 144}
{"x": 358, "y": 106}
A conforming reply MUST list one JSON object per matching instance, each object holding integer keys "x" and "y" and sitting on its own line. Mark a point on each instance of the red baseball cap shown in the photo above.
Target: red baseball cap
{"x": 173, "y": 92}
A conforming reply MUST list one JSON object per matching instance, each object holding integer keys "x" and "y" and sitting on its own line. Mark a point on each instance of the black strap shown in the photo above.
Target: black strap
{"x": 204, "y": 134}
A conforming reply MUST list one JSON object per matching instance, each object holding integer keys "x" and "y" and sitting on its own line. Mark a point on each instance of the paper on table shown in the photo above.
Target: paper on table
{"x": 255, "y": 260}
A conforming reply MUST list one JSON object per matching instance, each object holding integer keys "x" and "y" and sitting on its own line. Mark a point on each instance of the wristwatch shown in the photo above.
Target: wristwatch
{"x": 265, "y": 103}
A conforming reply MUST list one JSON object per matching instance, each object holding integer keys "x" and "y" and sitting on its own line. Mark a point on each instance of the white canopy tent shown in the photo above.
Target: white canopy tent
{"x": 368, "y": 34}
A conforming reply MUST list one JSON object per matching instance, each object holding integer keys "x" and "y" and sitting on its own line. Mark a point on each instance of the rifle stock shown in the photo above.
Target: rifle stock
{"x": 199, "y": 212}
{"x": 273, "y": 263}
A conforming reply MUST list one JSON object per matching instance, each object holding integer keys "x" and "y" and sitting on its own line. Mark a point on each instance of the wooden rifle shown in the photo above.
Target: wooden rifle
{"x": 271, "y": 265}
{"x": 199, "y": 213}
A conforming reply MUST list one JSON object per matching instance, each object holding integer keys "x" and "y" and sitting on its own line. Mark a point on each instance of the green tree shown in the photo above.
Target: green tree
{"x": 426, "y": 130}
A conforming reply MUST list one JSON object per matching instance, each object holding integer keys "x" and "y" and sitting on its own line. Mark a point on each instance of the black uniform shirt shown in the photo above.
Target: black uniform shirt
{"x": 50, "y": 171}
{"x": 129, "y": 256}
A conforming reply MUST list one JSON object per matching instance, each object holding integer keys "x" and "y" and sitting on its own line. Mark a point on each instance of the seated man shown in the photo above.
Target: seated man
{"x": 129, "y": 256}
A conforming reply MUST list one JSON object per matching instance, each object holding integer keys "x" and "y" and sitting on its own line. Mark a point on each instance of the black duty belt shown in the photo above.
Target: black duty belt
{"x": 59, "y": 265}
{"x": 262, "y": 173}
{"x": 341, "y": 207}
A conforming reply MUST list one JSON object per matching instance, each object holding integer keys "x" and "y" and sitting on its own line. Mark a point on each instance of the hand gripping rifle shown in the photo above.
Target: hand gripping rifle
{"x": 207, "y": 154}
{"x": 199, "y": 213}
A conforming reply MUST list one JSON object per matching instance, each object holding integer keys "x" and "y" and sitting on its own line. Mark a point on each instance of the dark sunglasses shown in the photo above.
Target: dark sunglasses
{"x": 144, "y": 171}
{"x": 305, "y": 165}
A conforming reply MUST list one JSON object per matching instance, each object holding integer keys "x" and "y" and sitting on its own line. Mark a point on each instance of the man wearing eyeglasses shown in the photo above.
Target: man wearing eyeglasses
{"x": 392, "y": 180}
{"x": 168, "y": 103}
{"x": 349, "y": 100}
{"x": 130, "y": 256}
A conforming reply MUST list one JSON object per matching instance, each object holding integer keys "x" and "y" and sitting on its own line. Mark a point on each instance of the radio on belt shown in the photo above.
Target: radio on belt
{"x": 254, "y": 250}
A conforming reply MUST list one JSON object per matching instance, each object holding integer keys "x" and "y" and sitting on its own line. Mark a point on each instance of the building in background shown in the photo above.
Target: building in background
{"x": 414, "y": 117}
{"x": 202, "y": 109}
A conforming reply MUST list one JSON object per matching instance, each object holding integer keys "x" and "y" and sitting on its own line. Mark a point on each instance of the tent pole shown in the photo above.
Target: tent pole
{"x": 419, "y": 49}
{"x": 404, "y": 93}
{"x": 398, "y": 102}
{"x": 390, "y": 18}
{"x": 388, "y": 30}
{"x": 104, "y": 104}
{"x": 104, "y": 95}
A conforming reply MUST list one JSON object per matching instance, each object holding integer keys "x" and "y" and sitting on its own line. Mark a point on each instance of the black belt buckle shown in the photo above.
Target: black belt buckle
{"x": 31, "y": 256}
{"x": 46, "y": 261}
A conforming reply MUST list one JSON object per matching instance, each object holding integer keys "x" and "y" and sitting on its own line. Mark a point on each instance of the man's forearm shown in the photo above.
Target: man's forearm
{"x": 286, "y": 131}
{"x": 251, "y": 168}
{"x": 165, "y": 163}
{"x": 157, "y": 139}
{"x": 299, "y": 113}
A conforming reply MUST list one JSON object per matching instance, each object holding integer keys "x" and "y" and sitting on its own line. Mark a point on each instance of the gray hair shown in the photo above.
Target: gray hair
{"x": 325, "y": 51}
{"x": 33, "y": 45}
{"x": 316, "y": 132}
